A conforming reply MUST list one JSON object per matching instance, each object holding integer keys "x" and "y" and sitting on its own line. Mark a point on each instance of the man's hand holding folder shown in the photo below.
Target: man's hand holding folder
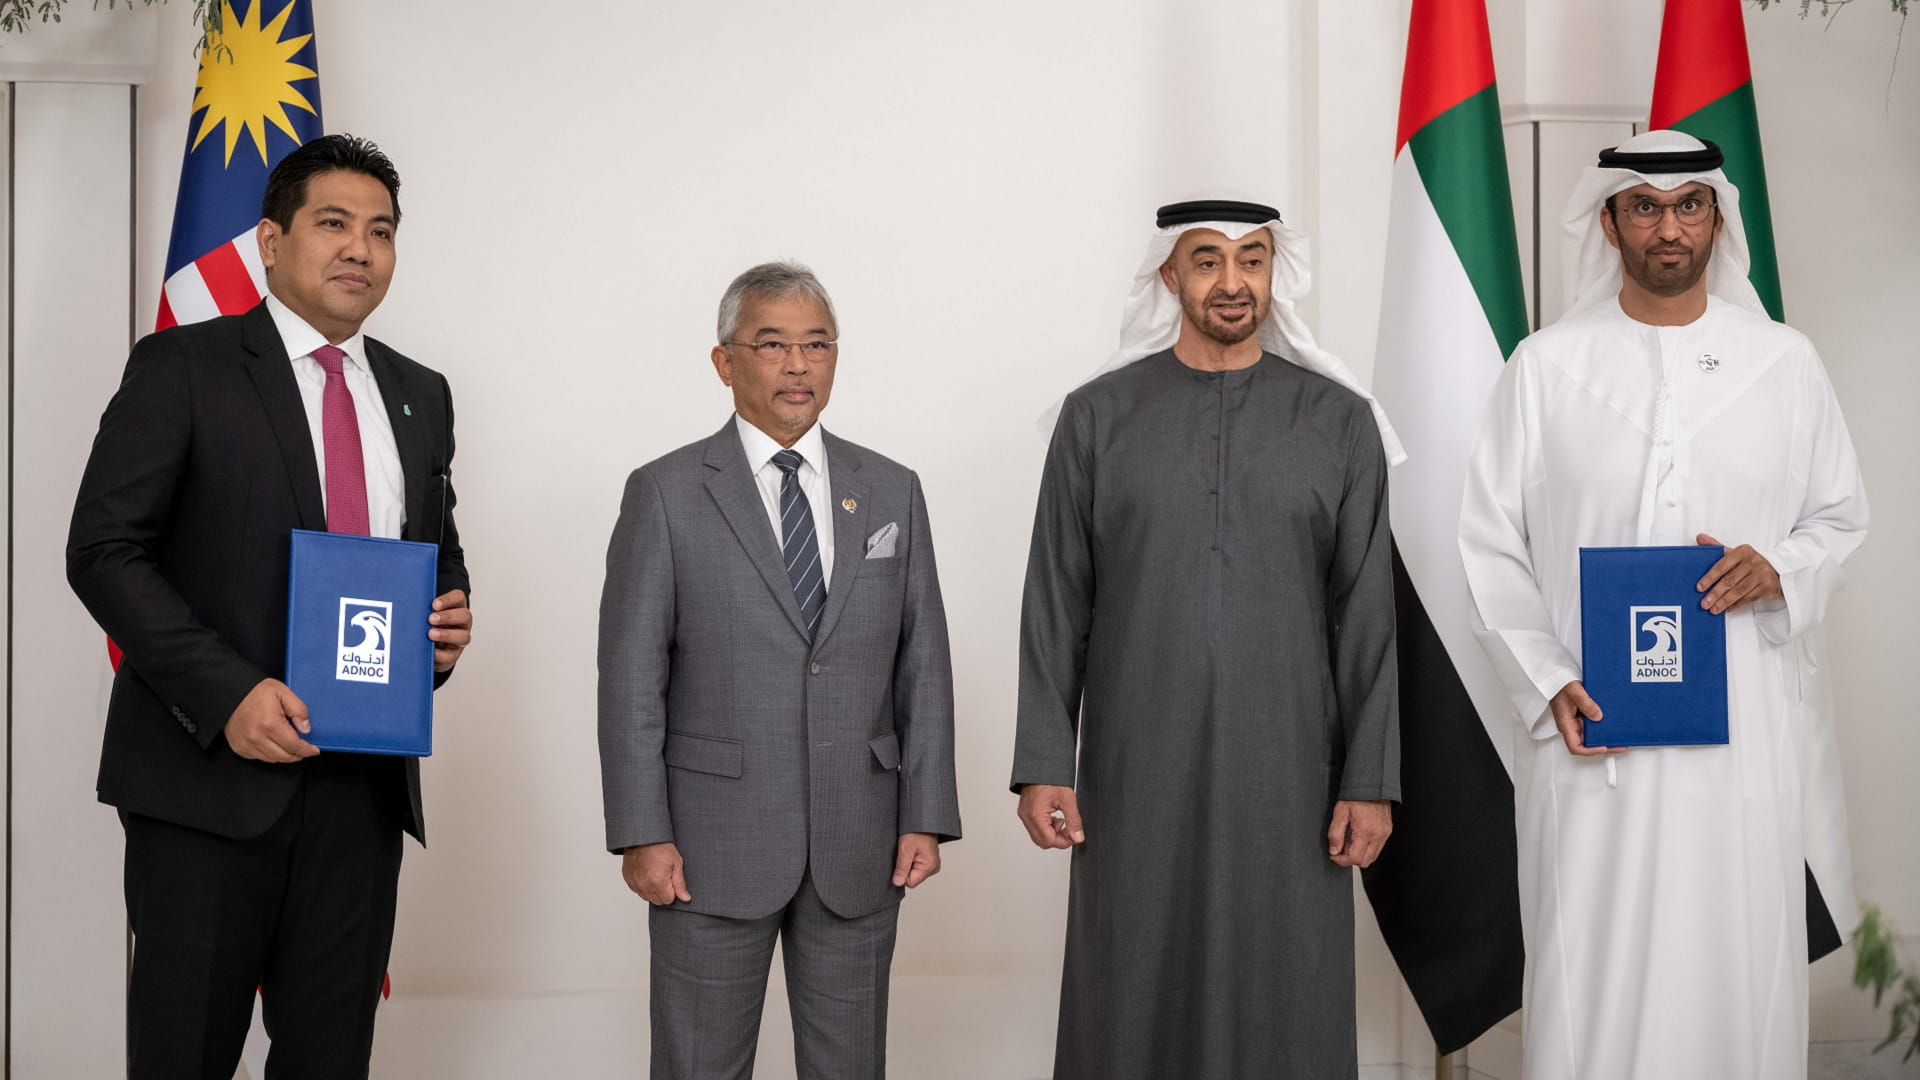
{"x": 1569, "y": 707}
{"x": 452, "y": 628}
{"x": 1742, "y": 576}
{"x": 269, "y": 722}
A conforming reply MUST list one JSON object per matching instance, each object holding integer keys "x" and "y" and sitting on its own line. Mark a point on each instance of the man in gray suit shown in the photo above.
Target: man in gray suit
{"x": 776, "y": 706}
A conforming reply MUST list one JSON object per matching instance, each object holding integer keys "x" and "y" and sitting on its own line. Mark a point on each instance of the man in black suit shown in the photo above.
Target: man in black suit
{"x": 252, "y": 859}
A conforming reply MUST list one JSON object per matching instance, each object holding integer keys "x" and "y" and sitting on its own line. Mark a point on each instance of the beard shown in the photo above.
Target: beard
{"x": 1200, "y": 314}
{"x": 1666, "y": 281}
{"x": 798, "y": 419}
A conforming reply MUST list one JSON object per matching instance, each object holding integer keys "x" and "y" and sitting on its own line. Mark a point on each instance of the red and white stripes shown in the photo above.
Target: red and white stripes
{"x": 228, "y": 280}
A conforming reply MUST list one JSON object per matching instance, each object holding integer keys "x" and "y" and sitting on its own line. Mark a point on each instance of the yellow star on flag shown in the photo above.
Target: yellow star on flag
{"x": 247, "y": 76}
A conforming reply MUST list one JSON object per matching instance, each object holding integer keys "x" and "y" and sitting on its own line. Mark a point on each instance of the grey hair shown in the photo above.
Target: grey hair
{"x": 771, "y": 280}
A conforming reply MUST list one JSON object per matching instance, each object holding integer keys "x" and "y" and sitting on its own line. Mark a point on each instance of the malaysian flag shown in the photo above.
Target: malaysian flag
{"x": 257, "y": 97}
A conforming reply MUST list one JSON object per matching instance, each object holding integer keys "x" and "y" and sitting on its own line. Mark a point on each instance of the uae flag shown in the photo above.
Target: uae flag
{"x": 1702, "y": 85}
{"x": 1445, "y": 890}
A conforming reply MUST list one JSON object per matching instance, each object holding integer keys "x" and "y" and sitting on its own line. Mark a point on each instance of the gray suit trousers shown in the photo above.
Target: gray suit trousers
{"x": 710, "y": 987}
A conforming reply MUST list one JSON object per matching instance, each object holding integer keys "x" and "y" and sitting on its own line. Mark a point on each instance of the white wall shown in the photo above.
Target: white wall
{"x": 1841, "y": 127}
{"x": 70, "y": 299}
{"x": 974, "y": 183}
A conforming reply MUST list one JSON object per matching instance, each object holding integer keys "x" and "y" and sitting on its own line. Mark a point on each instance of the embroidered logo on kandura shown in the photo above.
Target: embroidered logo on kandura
{"x": 1655, "y": 646}
{"x": 366, "y": 640}
{"x": 1709, "y": 363}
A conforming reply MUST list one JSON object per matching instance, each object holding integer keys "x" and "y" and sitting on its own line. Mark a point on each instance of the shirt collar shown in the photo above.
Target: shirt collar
{"x": 760, "y": 446}
{"x": 301, "y": 339}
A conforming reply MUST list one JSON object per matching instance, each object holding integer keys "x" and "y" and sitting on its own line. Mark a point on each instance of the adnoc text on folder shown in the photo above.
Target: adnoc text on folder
{"x": 1652, "y": 658}
{"x": 357, "y": 647}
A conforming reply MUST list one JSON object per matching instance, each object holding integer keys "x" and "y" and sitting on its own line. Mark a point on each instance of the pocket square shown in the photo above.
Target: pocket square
{"x": 880, "y": 544}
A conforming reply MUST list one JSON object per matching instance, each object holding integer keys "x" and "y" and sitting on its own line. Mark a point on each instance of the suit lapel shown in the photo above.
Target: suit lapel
{"x": 731, "y": 484}
{"x": 849, "y": 529}
{"x": 271, "y": 370}
{"x": 407, "y": 436}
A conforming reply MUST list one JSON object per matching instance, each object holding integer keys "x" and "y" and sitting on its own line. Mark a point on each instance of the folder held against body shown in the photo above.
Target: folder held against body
{"x": 1652, "y": 658}
{"x": 357, "y": 647}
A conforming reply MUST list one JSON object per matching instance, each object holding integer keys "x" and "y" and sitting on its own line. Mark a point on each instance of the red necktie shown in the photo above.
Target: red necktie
{"x": 340, "y": 434}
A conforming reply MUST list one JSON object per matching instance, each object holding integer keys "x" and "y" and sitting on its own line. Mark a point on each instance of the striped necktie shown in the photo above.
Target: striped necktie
{"x": 799, "y": 547}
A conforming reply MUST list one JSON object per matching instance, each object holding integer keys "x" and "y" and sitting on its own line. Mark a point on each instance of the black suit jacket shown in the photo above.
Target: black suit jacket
{"x": 179, "y": 544}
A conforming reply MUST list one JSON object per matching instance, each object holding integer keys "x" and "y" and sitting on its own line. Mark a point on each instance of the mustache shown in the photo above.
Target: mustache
{"x": 1244, "y": 296}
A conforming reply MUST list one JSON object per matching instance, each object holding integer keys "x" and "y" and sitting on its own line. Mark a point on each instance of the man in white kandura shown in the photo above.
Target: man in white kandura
{"x": 1666, "y": 893}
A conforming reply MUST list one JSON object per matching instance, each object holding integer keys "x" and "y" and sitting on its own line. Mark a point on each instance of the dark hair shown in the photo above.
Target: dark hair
{"x": 287, "y": 187}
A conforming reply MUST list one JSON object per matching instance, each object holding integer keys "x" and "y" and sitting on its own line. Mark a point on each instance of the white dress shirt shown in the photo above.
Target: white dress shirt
{"x": 386, "y": 490}
{"x": 812, "y": 449}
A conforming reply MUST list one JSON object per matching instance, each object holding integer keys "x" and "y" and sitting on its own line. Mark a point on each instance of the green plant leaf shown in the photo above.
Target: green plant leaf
{"x": 1874, "y": 963}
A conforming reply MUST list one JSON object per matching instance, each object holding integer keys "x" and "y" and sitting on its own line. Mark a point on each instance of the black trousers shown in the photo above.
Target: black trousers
{"x": 303, "y": 912}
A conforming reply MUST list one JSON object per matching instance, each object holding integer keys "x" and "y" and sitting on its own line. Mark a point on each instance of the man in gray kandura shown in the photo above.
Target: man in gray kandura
{"x": 1209, "y": 622}
{"x": 776, "y": 706}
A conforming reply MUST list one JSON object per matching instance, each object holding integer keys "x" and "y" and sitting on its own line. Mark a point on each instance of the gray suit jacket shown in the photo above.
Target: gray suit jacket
{"x": 724, "y": 730}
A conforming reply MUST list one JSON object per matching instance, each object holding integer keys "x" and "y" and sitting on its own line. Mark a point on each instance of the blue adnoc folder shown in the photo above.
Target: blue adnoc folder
{"x": 357, "y": 647}
{"x": 1652, "y": 658}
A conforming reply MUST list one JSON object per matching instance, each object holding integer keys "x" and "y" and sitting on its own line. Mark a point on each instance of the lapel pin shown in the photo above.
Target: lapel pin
{"x": 406, "y": 410}
{"x": 848, "y": 504}
{"x": 1709, "y": 363}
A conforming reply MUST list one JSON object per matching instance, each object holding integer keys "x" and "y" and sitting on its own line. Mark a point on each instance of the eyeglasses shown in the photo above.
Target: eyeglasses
{"x": 1647, "y": 212}
{"x": 772, "y": 352}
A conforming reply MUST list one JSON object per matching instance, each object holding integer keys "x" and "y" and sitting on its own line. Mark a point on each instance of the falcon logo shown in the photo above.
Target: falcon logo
{"x": 366, "y": 640}
{"x": 1655, "y": 648}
